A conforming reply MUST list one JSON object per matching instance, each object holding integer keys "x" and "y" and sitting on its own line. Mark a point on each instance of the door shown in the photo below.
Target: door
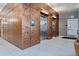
{"x": 43, "y": 27}
{"x": 72, "y": 27}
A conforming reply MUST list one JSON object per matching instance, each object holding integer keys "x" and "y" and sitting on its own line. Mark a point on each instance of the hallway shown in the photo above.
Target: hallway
{"x": 54, "y": 47}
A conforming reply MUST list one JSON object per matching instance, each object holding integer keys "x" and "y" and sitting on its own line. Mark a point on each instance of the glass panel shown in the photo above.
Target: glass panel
{"x": 33, "y": 23}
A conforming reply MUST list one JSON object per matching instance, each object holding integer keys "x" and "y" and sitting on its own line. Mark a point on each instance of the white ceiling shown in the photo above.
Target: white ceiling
{"x": 63, "y": 7}
{"x": 5, "y": 8}
{"x": 59, "y": 7}
{"x": 2, "y": 5}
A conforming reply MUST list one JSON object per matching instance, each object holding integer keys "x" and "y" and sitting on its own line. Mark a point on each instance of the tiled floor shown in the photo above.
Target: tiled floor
{"x": 54, "y": 47}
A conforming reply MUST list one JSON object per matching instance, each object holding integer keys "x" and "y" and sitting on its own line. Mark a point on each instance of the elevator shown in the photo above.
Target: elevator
{"x": 43, "y": 27}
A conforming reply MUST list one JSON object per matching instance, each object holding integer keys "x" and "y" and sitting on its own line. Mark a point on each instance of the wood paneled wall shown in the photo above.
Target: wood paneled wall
{"x": 56, "y": 26}
{"x": 30, "y": 35}
{"x": 49, "y": 21}
{"x": 16, "y": 27}
{"x": 18, "y": 30}
{"x": 11, "y": 30}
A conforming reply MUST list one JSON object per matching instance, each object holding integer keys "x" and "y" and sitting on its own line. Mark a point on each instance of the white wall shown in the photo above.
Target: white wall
{"x": 63, "y": 16}
{"x": 78, "y": 20}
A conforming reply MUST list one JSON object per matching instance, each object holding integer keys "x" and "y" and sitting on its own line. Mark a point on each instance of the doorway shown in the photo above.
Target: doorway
{"x": 43, "y": 27}
{"x": 72, "y": 27}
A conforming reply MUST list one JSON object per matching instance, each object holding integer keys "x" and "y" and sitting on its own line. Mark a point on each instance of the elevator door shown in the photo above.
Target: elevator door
{"x": 43, "y": 27}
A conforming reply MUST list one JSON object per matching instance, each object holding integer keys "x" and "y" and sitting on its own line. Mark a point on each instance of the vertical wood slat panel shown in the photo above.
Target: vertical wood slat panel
{"x": 49, "y": 25}
{"x": 35, "y": 31}
{"x": 26, "y": 28}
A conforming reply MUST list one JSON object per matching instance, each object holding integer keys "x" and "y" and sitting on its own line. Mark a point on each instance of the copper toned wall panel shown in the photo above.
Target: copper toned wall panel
{"x": 12, "y": 31}
{"x": 35, "y": 30}
{"x": 26, "y": 29}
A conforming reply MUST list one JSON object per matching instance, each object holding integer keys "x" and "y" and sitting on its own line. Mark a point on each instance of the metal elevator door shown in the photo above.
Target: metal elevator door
{"x": 43, "y": 27}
